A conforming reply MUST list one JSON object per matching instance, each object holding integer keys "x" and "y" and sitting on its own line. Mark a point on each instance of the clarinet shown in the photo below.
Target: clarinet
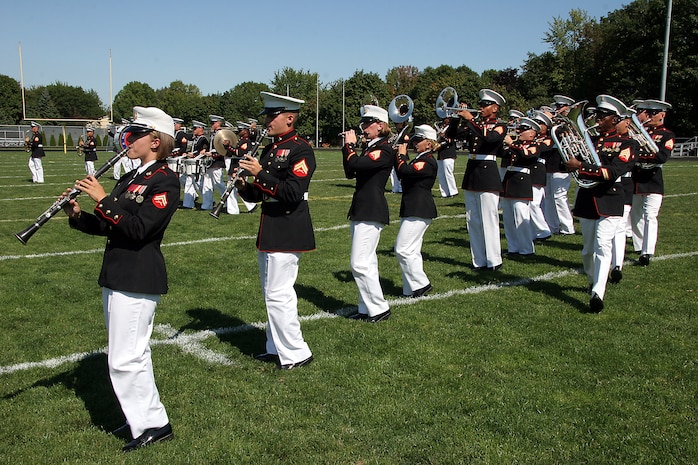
{"x": 58, "y": 205}
{"x": 231, "y": 184}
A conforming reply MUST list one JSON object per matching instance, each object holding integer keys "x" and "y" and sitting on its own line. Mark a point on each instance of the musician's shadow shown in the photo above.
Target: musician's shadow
{"x": 389, "y": 287}
{"x": 249, "y": 342}
{"x": 321, "y": 300}
{"x": 565, "y": 294}
{"x": 90, "y": 382}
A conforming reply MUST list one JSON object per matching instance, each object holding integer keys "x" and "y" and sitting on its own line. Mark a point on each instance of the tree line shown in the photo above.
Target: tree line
{"x": 620, "y": 54}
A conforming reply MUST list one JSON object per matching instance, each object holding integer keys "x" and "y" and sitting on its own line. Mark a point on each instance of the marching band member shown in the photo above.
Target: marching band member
{"x": 446, "y": 160}
{"x": 133, "y": 277}
{"x": 539, "y": 176}
{"x": 213, "y": 178}
{"x": 649, "y": 183}
{"x": 281, "y": 180}
{"x": 417, "y": 208}
{"x": 619, "y": 240}
{"x": 35, "y": 143}
{"x": 89, "y": 147}
{"x": 517, "y": 191}
{"x": 180, "y": 144}
{"x": 191, "y": 182}
{"x": 481, "y": 181}
{"x": 514, "y": 117}
{"x": 600, "y": 208}
{"x": 368, "y": 213}
{"x": 556, "y": 206}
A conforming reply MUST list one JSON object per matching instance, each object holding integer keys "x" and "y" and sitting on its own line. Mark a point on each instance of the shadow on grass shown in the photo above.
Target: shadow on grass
{"x": 320, "y": 299}
{"x": 249, "y": 342}
{"x": 90, "y": 382}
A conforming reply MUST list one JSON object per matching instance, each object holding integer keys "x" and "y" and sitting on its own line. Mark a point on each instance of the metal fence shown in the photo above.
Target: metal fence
{"x": 686, "y": 147}
{"x": 55, "y": 137}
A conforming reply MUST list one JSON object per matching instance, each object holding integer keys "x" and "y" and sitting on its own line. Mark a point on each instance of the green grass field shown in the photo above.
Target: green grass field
{"x": 493, "y": 368}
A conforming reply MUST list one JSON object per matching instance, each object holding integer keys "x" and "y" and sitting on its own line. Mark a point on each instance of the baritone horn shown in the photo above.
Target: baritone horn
{"x": 572, "y": 138}
{"x": 637, "y": 131}
{"x": 447, "y": 105}
{"x": 400, "y": 113}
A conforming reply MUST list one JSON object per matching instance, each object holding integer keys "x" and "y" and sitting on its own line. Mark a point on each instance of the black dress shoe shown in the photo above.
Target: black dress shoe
{"x": 616, "y": 275}
{"x": 595, "y": 304}
{"x": 494, "y": 268}
{"x": 644, "y": 259}
{"x": 380, "y": 317}
{"x": 291, "y": 366}
{"x": 423, "y": 291}
{"x": 542, "y": 239}
{"x": 123, "y": 432}
{"x": 150, "y": 436}
{"x": 268, "y": 358}
{"x": 358, "y": 316}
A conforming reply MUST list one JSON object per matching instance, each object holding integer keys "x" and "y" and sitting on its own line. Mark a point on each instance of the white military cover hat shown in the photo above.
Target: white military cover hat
{"x": 488, "y": 95}
{"x": 275, "y": 104}
{"x": 516, "y": 114}
{"x": 562, "y": 100}
{"x": 178, "y": 120}
{"x": 151, "y": 118}
{"x": 197, "y": 124}
{"x": 652, "y": 105}
{"x": 424, "y": 131}
{"x": 89, "y": 128}
{"x": 610, "y": 104}
{"x": 541, "y": 117}
{"x": 215, "y": 118}
{"x": 372, "y": 112}
{"x": 34, "y": 124}
{"x": 530, "y": 123}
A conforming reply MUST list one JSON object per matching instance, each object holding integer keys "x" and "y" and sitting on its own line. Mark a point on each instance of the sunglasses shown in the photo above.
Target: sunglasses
{"x": 486, "y": 103}
{"x": 135, "y": 133}
{"x": 367, "y": 122}
{"x": 650, "y": 112}
{"x": 523, "y": 128}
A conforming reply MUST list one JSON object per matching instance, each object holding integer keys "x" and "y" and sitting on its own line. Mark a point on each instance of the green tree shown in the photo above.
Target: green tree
{"x": 432, "y": 81}
{"x": 74, "y": 102}
{"x": 181, "y": 100}
{"x": 402, "y": 79}
{"x": 10, "y": 100}
{"x": 133, "y": 94}
{"x": 303, "y": 85}
{"x": 243, "y": 101}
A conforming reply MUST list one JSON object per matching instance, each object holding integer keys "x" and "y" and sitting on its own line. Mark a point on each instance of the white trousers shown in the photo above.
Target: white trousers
{"x": 645, "y": 224}
{"x": 90, "y": 168}
{"x": 620, "y": 239}
{"x": 129, "y": 318}
{"x": 213, "y": 180}
{"x": 556, "y": 206}
{"x": 482, "y": 221}
{"x": 408, "y": 250}
{"x": 364, "y": 266}
{"x": 447, "y": 181}
{"x": 597, "y": 236}
{"x": 518, "y": 229}
{"x": 395, "y": 182}
{"x": 37, "y": 169}
{"x": 277, "y": 273}
{"x": 191, "y": 190}
{"x": 539, "y": 225}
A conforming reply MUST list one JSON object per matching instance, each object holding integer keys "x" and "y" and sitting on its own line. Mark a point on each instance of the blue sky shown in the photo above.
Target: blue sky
{"x": 217, "y": 45}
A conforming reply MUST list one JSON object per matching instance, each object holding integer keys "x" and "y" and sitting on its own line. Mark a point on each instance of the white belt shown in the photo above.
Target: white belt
{"x": 483, "y": 157}
{"x": 541, "y": 161}
{"x": 40, "y": 145}
{"x": 272, "y": 199}
{"x": 648, "y": 166}
{"x": 629, "y": 174}
{"x": 519, "y": 169}
{"x": 619, "y": 178}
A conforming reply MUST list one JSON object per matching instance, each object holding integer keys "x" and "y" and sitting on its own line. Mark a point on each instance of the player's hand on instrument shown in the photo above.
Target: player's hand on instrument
{"x": 91, "y": 186}
{"x": 349, "y": 136}
{"x": 251, "y": 165}
{"x": 573, "y": 164}
{"x": 72, "y": 209}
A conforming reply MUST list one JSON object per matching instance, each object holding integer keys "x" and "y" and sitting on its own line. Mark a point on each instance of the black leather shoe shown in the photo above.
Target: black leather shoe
{"x": 644, "y": 259}
{"x": 123, "y": 432}
{"x": 423, "y": 291}
{"x": 358, "y": 316}
{"x": 150, "y": 436}
{"x": 616, "y": 275}
{"x": 268, "y": 358}
{"x": 380, "y": 317}
{"x": 494, "y": 268}
{"x": 291, "y": 366}
{"x": 595, "y": 304}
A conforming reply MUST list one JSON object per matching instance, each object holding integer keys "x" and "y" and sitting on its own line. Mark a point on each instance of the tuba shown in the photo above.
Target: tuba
{"x": 400, "y": 113}
{"x": 572, "y": 138}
